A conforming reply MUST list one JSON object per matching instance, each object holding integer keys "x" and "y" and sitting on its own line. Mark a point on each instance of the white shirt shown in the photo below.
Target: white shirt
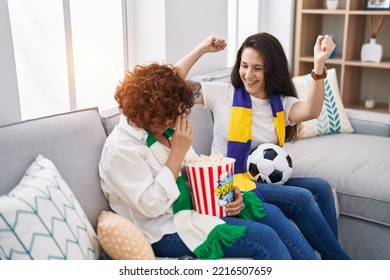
{"x": 218, "y": 97}
{"x": 134, "y": 182}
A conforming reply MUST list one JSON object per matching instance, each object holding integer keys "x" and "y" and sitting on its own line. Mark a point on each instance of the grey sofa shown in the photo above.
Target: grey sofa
{"x": 73, "y": 141}
{"x": 357, "y": 165}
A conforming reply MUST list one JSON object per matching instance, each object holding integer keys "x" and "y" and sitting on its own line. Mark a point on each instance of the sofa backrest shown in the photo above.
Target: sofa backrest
{"x": 72, "y": 141}
{"x": 201, "y": 120}
{"x": 367, "y": 122}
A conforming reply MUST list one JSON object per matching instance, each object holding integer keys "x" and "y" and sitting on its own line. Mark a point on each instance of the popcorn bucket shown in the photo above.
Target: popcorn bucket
{"x": 211, "y": 184}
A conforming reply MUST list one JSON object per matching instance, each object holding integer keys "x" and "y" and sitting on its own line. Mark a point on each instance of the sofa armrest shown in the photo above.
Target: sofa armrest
{"x": 201, "y": 120}
{"x": 372, "y": 123}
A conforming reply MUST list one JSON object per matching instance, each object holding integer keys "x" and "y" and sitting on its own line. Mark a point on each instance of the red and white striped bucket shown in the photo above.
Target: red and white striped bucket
{"x": 211, "y": 185}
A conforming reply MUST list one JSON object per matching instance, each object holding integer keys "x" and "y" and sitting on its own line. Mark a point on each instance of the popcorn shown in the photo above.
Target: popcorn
{"x": 211, "y": 183}
{"x": 212, "y": 160}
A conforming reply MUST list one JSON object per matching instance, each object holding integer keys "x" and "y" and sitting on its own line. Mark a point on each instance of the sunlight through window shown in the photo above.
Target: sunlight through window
{"x": 52, "y": 67}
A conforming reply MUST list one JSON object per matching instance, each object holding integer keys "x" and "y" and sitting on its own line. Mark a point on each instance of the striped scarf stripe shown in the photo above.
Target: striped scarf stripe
{"x": 239, "y": 138}
{"x": 240, "y": 133}
{"x": 278, "y": 114}
{"x": 204, "y": 235}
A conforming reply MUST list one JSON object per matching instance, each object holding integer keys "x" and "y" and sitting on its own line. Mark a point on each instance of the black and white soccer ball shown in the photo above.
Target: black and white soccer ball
{"x": 269, "y": 163}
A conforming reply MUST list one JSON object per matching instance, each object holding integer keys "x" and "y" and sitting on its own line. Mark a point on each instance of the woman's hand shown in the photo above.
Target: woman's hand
{"x": 323, "y": 48}
{"x": 180, "y": 143}
{"x": 183, "y": 137}
{"x": 213, "y": 44}
{"x": 233, "y": 208}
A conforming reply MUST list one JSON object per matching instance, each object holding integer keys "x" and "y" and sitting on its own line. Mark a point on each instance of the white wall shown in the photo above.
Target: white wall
{"x": 188, "y": 22}
{"x": 248, "y": 18}
{"x": 9, "y": 98}
{"x": 277, "y": 18}
{"x": 149, "y": 30}
{"x": 273, "y": 16}
{"x": 173, "y": 28}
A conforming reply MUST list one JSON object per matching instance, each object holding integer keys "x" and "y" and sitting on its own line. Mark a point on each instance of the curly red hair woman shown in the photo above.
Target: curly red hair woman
{"x": 154, "y": 96}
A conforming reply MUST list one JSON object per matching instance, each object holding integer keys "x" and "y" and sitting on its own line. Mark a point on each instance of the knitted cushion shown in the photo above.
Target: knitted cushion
{"x": 121, "y": 239}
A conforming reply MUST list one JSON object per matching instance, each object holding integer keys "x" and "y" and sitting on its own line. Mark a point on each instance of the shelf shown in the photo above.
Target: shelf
{"x": 379, "y": 107}
{"x": 385, "y": 64}
{"x": 342, "y": 11}
{"x": 337, "y": 60}
{"x": 349, "y": 25}
{"x": 324, "y": 11}
{"x": 367, "y": 12}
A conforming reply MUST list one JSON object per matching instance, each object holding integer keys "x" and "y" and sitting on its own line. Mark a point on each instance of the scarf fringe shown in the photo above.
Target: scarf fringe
{"x": 254, "y": 208}
{"x": 221, "y": 235}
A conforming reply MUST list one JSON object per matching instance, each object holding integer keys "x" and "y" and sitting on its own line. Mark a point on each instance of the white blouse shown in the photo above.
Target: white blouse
{"x": 134, "y": 182}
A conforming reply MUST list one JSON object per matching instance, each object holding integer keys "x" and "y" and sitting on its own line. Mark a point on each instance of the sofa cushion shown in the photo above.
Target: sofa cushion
{"x": 41, "y": 219}
{"x": 333, "y": 118}
{"x": 110, "y": 118}
{"x": 201, "y": 120}
{"x": 121, "y": 239}
{"x": 73, "y": 141}
{"x": 369, "y": 122}
{"x": 356, "y": 165}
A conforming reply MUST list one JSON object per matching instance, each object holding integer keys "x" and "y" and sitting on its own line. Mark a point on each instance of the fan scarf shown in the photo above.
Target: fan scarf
{"x": 204, "y": 235}
{"x": 240, "y": 134}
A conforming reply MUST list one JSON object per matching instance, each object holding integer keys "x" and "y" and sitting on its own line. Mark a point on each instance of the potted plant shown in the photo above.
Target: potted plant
{"x": 372, "y": 51}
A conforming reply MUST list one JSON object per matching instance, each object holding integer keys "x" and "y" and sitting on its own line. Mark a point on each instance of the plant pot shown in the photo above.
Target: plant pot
{"x": 371, "y": 52}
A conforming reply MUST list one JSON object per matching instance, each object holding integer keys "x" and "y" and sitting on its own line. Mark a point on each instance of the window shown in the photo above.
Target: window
{"x": 69, "y": 58}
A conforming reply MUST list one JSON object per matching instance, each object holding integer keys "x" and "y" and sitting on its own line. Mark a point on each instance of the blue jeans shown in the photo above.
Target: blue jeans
{"x": 309, "y": 203}
{"x": 272, "y": 238}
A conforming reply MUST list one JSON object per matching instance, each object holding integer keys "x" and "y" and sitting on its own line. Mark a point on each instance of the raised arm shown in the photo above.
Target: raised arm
{"x": 311, "y": 109}
{"x": 212, "y": 44}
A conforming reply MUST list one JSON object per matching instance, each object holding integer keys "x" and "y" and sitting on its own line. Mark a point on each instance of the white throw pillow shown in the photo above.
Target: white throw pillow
{"x": 42, "y": 219}
{"x": 333, "y": 118}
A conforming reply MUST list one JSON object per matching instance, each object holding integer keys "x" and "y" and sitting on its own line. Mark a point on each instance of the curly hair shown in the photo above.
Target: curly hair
{"x": 154, "y": 95}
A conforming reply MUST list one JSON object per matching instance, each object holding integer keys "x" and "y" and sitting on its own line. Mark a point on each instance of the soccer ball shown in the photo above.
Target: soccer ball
{"x": 269, "y": 163}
